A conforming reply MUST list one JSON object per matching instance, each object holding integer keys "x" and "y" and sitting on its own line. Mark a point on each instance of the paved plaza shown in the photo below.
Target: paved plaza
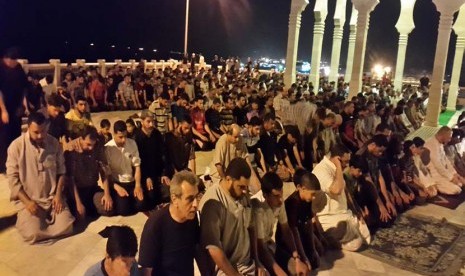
{"x": 73, "y": 255}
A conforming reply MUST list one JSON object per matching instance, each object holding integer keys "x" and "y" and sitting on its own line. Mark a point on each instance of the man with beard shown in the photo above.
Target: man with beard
{"x": 85, "y": 162}
{"x": 150, "y": 144}
{"x": 35, "y": 171}
{"x": 171, "y": 234}
{"x": 53, "y": 113}
{"x": 180, "y": 154}
{"x": 78, "y": 117}
{"x": 124, "y": 161}
{"x": 226, "y": 225}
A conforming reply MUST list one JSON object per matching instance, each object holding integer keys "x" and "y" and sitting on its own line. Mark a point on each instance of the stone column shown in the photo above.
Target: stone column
{"x": 339, "y": 20}
{"x": 404, "y": 26}
{"x": 459, "y": 29}
{"x": 297, "y": 7}
{"x": 103, "y": 68}
{"x": 56, "y": 71}
{"x": 447, "y": 10}
{"x": 118, "y": 62}
{"x": 351, "y": 48}
{"x": 364, "y": 8}
{"x": 320, "y": 12}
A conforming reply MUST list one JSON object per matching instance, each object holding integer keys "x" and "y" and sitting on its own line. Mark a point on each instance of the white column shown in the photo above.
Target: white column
{"x": 297, "y": 6}
{"x": 351, "y": 48}
{"x": 401, "y": 52}
{"x": 339, "y": 20}
{"x": 103, "y": 68}
{"x": 404, "y": 26}
{"x": 364, "y": 8}
{"x": 459, "y": 29}
{"x": 320, "y": 12}
{"x": 456, "y": 71}
{"x": 447, "y": 10}
{"x": 56, "y": 71}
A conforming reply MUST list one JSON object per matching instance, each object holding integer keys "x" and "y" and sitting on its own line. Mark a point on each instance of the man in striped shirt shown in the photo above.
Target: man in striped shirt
{"x": 162, "y": 112}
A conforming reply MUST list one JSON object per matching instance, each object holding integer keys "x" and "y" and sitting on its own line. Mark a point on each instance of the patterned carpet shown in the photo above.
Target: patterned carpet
{"x": 422, "y": 245}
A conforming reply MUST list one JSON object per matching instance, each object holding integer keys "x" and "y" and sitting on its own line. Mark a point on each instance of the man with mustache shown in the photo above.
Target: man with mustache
{"x": 35, "y": 171}
{"x": 171, "y": 234}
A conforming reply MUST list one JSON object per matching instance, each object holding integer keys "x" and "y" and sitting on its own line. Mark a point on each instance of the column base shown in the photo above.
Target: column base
{"x": 424, "y": 132}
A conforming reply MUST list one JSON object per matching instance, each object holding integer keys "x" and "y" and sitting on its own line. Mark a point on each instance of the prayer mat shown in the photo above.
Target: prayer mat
{"x": 448, "y": 201}
{"x": 445, "y": 117}
{"x": 423, "y": 245}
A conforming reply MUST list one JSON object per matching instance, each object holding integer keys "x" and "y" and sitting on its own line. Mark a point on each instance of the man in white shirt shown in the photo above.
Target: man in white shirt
{"x": 341, "y": 227}
{"x": 443, "y": 171}
{"x": 124, "y": 162}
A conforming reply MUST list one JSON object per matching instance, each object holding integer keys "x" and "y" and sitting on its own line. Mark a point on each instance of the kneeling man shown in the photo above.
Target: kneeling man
{"x": 35, "y": 169}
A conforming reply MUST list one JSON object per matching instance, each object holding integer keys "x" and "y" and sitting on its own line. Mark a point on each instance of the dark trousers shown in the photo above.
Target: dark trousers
{"x": 91, "y": 198}
{"x": 8, "y": 133}
{"x": 130, "y": 205}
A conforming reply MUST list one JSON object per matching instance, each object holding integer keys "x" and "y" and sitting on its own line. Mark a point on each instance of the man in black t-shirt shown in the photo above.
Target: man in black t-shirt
{"x": 299, "y": 215}
{"x": 171, "y": 234}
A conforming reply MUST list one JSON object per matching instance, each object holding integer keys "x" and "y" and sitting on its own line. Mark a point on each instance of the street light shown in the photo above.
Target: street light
{"x": 187, "y": 27}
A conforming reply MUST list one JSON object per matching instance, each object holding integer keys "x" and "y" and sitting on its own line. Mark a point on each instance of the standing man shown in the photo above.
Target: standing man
{"x": 171, "y": 234}
{"x": 13, "y": 88}
{"x": 150, "y": 145}
{"x": 124, "y": 161}
{"x": 226, "y": 223}
{"x": 35, "y": 171}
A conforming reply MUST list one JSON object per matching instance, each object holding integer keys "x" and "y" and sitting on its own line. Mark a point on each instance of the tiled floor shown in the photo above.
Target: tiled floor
{"x": 73, "y": 255}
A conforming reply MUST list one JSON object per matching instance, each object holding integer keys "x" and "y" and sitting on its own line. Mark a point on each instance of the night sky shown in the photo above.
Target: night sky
{"x": 65, "y": 29}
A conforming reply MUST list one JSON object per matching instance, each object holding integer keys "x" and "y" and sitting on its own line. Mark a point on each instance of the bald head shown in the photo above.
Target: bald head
{"x": 234, "y": 133}
{"x": 444, "y": 135}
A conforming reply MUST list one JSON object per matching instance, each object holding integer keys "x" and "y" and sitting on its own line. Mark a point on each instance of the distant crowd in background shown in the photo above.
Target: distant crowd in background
{"x": 353, "y": 167}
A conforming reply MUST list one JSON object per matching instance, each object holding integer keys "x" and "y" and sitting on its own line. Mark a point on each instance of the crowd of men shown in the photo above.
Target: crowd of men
{"x": 333, "y": 149}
